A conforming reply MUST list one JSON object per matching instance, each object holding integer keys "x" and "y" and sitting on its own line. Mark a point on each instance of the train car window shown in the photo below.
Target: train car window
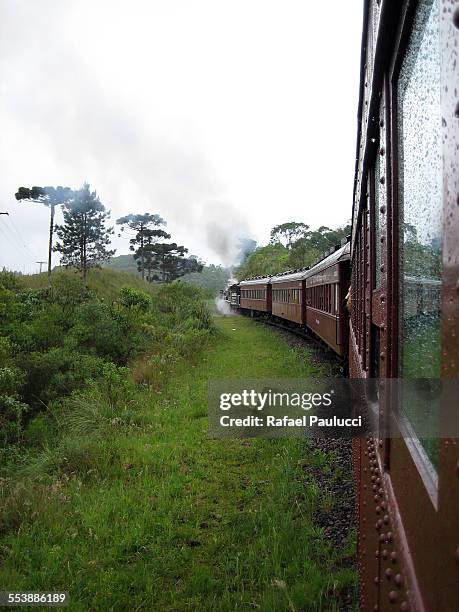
{"x": 420, "y": 210}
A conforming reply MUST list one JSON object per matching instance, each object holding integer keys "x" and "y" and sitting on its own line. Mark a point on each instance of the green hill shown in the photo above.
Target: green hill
{"x": 213, "y": 278}
{"x": 104, "y": 282}
{"x": 122, "y": 263}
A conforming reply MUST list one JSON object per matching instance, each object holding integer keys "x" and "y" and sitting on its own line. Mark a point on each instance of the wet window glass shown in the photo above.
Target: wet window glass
{"x": 378, "y": 187}
{"x": 420, "y": 196}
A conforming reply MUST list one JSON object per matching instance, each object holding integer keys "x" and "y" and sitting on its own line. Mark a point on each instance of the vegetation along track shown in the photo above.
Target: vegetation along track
{"x": 155, "y": 515}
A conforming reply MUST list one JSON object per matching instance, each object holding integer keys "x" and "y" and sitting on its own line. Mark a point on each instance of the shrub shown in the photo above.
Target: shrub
{"x": 58, "y": 373}
{"x": 12, "y": 410}
{"x": 103, "y": 331}
{"x": 134, "y": 299}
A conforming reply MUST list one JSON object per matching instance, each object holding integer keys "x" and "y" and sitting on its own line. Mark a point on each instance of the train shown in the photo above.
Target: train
{"x": 387, "y": 300}
{"x": 311, "y": 298}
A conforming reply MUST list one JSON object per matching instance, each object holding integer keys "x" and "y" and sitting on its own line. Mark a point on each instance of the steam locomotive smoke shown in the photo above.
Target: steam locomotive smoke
{"x": 222, "y": 307}
{"x": 230, "y": 244}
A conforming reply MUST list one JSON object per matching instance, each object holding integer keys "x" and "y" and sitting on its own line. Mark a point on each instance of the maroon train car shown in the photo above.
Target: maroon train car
{"x": 256, "y": 294}
{"x": 288, "y": 297}
{"x": 405, "y": 299}
{"x": 326, "y": 286}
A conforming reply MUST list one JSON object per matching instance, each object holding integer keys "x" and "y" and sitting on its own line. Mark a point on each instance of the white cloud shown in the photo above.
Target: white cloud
{"x": 214, "y": 114}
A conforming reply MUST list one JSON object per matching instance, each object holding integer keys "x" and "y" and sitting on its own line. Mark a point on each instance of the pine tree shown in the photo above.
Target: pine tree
{"x": 143, "y": 238}
{"x": 84, "y": 237}
{"x": 51, "y": 197}
{"x": 170, "y": 262}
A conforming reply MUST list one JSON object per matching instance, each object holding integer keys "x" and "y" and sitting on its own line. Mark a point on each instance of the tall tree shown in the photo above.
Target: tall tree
{"x": 144, "y": 233}
{"x": 288, "y": 233}
{"x": 84, "y": 236}
{"x": 170, "y": 262}
{"x": 51, "y": 197}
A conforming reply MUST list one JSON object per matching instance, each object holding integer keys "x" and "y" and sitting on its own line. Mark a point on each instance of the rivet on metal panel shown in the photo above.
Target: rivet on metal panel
{"x": 398, "y": 580}
{"x": 393, "y": 556}
{"x": 382, "y": 151}
{"x": 456, "y": 17}
{"x": 384, "y": 552}
{"x": 393, "y": 596}
{"x": 388, "y": 573}
{"x": 382, "y": 180}
{"x": 383, "y": 297}
{"x": 390, "y": 536}
{"x": 382, "y": 354}
{"x": 404, "y": 606}
{"x": 386, "y": 519}
{"x": 378, "y": 509}
{"x": 382, "y": 209}
{"x": 377, "y": 554}
{"x": 376, "y": 580}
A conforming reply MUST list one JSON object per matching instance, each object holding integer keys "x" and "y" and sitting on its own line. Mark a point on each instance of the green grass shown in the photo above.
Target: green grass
{"x": 145, "y": 512}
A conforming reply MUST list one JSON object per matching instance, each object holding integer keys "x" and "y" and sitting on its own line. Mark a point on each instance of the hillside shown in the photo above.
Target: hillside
{"x": 105, "y": 283}
{"x": 122, "y": 263}
{"x": 212, "y": 278}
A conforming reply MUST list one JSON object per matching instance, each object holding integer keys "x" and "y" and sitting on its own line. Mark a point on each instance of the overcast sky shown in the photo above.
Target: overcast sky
{"x": 226, "y": 117}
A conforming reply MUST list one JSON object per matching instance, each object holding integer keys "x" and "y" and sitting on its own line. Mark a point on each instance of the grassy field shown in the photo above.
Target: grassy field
{"x": 157, "y": 516}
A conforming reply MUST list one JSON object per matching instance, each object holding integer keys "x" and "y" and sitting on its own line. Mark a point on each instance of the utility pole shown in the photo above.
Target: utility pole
{"x": 41, "y": 263}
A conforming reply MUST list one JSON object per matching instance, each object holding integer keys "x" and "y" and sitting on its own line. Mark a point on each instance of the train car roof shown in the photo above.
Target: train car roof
{"x": 341, "y": 254}
{"x": 263, "y": 280}
{"x": 288, "y": 277}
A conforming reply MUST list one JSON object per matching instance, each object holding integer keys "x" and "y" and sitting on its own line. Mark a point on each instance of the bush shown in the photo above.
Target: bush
{"x": 135, "y": 299}
{"x": 58, "y": 373}
{"x": 101, "y": 330}
{"x": 12, "y": 410}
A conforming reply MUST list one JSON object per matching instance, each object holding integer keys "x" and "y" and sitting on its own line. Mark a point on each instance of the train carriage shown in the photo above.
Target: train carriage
{"x": 405, "y": 311}
{"x": 256, "y": 294}
{"x": 288, "y": 297}
{"x": 326, "y": 285}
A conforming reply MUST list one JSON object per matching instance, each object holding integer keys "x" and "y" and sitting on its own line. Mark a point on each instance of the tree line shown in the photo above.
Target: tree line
{"x": 84, "y": 237}
{"x": 292, "y": 245}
